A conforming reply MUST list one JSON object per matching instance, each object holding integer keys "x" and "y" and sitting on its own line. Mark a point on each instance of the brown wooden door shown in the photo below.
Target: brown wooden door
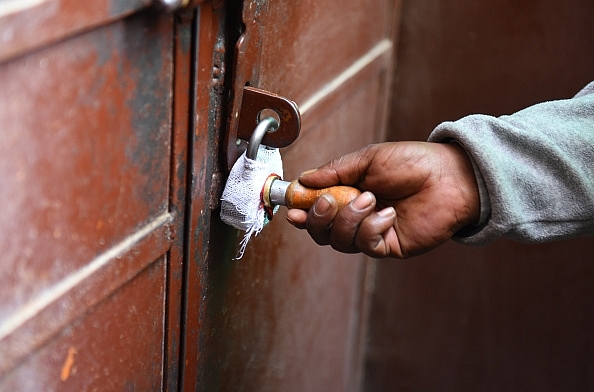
{"x": 91, "y": 196}
{"x": 289, "y": 315}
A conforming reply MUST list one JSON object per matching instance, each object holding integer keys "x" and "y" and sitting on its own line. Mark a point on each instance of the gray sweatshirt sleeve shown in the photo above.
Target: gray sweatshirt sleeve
{"x": 537, "y": 166}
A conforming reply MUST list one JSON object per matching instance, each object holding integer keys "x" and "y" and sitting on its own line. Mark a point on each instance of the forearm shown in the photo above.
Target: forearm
{"x": 537, "y": 166}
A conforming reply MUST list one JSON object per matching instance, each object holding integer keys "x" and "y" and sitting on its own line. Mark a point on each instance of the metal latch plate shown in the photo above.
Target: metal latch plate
{"x": 255, "y": 103}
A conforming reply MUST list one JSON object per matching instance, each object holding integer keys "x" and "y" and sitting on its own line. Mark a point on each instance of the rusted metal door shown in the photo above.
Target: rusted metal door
{"x": 117, "y": 273}
{"x": 289, "y": 315}
{"x": 92, "y": 195}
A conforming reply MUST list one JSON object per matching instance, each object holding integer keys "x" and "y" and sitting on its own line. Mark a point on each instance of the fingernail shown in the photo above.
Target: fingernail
{"x": 307, "y": 172}
{"x": 363, "y": 201}
{"x": 322, "y": 206}
{"x": 388, "y": 212}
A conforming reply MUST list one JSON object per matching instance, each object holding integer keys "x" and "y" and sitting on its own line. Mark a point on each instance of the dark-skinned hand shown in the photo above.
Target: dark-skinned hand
{"x": 416, "y": 196}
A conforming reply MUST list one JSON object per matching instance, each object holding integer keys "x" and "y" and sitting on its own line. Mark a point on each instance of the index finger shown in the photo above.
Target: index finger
{"x": 346, "y": 170}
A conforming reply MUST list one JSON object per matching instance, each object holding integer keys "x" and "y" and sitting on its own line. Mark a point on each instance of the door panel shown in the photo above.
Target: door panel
{"x": 307, "y": 45}
{"x": 289, "y": 314}
{"x": 67, "y": 138}
{"x": 115, "y": 347}
{"x": 30, "y": 24}
{"x": 89, "y": 206}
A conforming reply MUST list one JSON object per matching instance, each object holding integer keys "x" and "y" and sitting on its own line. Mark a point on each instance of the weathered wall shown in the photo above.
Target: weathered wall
{"x": 508, "y": 316}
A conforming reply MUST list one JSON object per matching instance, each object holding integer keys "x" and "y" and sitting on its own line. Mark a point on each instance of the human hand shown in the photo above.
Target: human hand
{"x": 416, "y": 195}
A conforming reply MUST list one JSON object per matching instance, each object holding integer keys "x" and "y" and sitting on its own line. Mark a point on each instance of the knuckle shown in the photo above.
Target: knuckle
{"x": 370, "y": 239}
{"x": 375, "y": 247}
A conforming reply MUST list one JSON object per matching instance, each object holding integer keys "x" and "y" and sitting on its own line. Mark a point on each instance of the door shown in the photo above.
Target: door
{"x": 289, "y": 315}
{"x": 117, "y": 273}
{"x": 92, "y": 199}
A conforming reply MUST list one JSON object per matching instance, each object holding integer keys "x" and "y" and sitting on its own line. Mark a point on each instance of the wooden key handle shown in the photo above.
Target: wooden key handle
{"x": 302, "y": 197}
{"x": 295, "y": 195}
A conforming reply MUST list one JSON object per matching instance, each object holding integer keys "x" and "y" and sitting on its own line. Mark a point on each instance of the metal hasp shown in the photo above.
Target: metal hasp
{"x": 255, "y": 104}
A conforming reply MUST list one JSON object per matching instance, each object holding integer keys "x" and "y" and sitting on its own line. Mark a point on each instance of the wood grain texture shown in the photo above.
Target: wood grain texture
{"x": 300, "y": 196}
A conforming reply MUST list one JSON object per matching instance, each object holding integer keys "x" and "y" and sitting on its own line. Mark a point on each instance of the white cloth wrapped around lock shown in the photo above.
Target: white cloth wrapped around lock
{"x": 241, "y": 204}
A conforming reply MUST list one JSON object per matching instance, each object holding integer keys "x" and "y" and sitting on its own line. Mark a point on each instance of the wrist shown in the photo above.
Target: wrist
{"x": 463, "y": 179}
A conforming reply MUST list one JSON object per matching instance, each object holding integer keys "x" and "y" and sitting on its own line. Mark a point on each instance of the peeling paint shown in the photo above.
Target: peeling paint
{"x": 68, "y": 363}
